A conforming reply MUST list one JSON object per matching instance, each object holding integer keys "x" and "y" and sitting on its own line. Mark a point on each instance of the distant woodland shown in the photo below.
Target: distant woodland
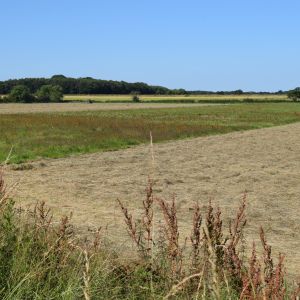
{"x": 88, "y": 85}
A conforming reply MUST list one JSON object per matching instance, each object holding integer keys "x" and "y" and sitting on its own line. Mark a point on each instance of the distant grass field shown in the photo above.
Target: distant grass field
{"x": 179, "y": 98}
{"x": 56, "y": 135}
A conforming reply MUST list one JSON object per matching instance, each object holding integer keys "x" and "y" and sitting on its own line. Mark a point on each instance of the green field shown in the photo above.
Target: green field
{"x": 60, "y": 134}
{"x": 213, "y": 98}
{"x": 180, "y": 98}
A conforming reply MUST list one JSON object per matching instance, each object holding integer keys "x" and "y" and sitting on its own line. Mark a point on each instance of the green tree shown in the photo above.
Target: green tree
{"x": 20, "y": 93}
{"x": 49, "y": 93}
{"x": 237, "y": 92}
{"x": 294, "y": 94}
{"x": 135, "y": 96}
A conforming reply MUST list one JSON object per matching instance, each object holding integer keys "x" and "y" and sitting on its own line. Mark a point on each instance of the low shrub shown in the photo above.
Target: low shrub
{"x": 135, "y": 97}
{"x": 294, "y": 94}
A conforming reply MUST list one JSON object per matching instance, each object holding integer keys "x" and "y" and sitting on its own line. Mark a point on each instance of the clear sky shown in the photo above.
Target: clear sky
{"x": 191, "y": 44}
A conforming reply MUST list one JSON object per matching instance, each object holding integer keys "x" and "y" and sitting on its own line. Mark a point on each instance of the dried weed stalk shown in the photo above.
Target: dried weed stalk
{"x": 196, "y": 237}
{"x": 172, "y": 234}
{"x": 142, "y": 237}
{"x": 233, "y": 261}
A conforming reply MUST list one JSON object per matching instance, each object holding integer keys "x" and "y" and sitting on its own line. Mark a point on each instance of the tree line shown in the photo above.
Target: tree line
{"x": 86, "y": 85}
{"x": 52, "y": 89}
{"x": 46, "y": 93}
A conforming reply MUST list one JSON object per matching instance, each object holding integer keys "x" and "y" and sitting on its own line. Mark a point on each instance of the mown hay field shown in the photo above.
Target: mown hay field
{"x": 263, "y": 163}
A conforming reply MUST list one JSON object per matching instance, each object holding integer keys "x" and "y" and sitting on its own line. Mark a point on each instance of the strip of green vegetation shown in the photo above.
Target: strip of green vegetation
{"x": 188, "y": 100}
{"x": 243, "y": 98}
{"x": 61, "y": 134}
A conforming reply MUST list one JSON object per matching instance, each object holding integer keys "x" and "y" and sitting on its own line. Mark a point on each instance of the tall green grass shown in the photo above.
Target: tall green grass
{"x": 61, "y": 134}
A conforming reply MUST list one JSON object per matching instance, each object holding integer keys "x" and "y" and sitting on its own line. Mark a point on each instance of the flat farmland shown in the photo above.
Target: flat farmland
{"x": 264, "y": 163}
{"x": 110, "y": 98}
{"x": 180, "y": 98}
{"x": 53, "y": 135}
{"x": 20, "y": 108}
{"x": 200, "y": 153}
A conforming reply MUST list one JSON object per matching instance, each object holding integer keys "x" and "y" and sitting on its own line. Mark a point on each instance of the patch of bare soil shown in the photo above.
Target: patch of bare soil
{"x": 17, "y": 108}
{"x": 265, "y": 163}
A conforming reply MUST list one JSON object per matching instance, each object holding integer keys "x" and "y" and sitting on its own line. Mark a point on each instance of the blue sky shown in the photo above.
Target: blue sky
{"x": 191, "y": 44}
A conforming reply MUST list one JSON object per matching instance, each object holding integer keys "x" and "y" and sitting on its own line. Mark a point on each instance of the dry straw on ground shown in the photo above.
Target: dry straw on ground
{"x": 265, "y": 163}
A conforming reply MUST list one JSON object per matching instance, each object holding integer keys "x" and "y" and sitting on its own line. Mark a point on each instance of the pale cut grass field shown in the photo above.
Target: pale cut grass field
{"x": 176, "y": 98}
{"x": 196, "y": 98}
{"x": 264, "y": 163}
